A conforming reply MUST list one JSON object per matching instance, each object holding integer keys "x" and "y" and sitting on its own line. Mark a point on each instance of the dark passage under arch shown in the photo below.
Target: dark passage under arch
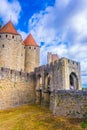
{"x": 73, "y": 79}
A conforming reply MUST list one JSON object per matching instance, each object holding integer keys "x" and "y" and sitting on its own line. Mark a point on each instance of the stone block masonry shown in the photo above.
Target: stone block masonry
{"x": 12, "y": 52}
{"x": 16, "y": 88}
{"x": 48, "y": 86}
{"x": 69, "y": 103}
{"x": 23, "y": 83}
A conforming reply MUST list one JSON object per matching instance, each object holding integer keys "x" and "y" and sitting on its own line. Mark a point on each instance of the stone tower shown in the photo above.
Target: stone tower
{"x": 51, "y": 57}
{"x": 32, "y": 54}
{"x": 11, "y": 49}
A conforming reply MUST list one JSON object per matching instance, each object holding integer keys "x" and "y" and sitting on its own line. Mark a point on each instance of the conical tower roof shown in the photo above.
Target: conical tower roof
{"x": 29, "y": 41}
{"x": 9, "y": 28}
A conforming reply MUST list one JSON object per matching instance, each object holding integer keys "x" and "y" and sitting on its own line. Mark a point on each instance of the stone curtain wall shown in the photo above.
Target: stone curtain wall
{"x": 16, "y": 88}
{"x": 69, "y": 103}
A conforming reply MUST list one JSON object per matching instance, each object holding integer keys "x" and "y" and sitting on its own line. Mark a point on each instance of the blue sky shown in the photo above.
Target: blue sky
{"x": 30, "y": 7}
{"x": 59, "y": 26}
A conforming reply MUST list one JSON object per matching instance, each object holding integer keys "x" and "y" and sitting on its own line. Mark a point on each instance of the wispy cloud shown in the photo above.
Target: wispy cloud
{"x": 23, "y": 34}
{"x": 63, "y": 29}
{"x": 10, "y": 10}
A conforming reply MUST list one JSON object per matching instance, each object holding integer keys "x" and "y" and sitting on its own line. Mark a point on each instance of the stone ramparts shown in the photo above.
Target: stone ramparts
{"x": 16, "y": 88}
{"x": 69, "y": 103}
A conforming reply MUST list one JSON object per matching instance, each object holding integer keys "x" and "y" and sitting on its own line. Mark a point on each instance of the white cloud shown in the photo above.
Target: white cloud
{"x": 23, "y": 34}
{"x": 63, "y": 29}
{"x": 10, "y": 11}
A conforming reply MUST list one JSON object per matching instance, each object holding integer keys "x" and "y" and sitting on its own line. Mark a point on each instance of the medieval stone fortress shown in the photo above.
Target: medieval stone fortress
{"x": 56, "y": 85}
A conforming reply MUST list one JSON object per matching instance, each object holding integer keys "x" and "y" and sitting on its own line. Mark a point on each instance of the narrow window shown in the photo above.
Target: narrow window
{"x": 11, "y": 71}
{"x": 3, "y": 45}
{"x": 29, "y": 47}
{"x": 6, "y": 36}
{"x": 34, "y": 48}
{"x": 27, "y": 74}
{"x": 0, "y": 36}
{"x": 13, "y": 37}
{"x": 1, "y": 68}
{"x": 20, "y": 73}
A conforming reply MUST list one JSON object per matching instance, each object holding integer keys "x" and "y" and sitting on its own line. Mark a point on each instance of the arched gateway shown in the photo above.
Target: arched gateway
{"x": 73, "y": 79}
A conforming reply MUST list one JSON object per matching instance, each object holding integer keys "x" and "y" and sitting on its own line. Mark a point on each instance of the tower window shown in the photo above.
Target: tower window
{"x": 6, "y": 36}
{"x": 11, "y": 71}
{"x": 3, "y": 46}
{"x": 34, "y": 48}
{"x": 1, "y": 68}
{"x": 20, "y": 73}
{"x": 29, "y": 47}
{"x": 27, "y": 74}
{"x": 0, "y": 36}
{"x": 24, "y": 47}
{"x": 13, "y": 37}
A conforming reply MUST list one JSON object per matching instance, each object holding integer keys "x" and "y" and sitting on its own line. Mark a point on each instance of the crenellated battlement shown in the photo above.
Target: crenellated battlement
{"x": 16, "y": 88}
{"x": 58, "y": 63}
{"x": 23, "y": 81}
{"x": 6, "y": 73}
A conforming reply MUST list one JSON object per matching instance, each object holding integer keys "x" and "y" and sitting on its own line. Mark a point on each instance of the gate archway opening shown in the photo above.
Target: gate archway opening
{"x": 39, "y": 81}
{"x": 73, "y": 81}
{"x": 39, "y": 89}
{"x": 47, "y": 81}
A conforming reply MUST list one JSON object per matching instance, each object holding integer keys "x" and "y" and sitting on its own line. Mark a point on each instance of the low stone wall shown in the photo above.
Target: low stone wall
{"x": 69, "y": 103}
{"x": 16, "y": 88}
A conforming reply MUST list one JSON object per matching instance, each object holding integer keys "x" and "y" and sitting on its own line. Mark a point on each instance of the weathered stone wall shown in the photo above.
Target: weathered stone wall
{"x": 32, "y": 58}
{"x": 68, "y": 67}
{"x": 54, "y": 71}
{"x": 40, "y": 86}
{"x": 12, "y": 52}
{"x": 59, "y": 74}
{"x": 68, "y": 103}
{"x": 16, "y": 88}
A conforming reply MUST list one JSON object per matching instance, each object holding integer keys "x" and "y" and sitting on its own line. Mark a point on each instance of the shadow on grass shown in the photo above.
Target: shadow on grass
{"x": 75, "y": 121}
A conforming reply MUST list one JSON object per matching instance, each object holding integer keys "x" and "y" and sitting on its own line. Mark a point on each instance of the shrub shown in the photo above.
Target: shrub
{"x": 84, "y": 123}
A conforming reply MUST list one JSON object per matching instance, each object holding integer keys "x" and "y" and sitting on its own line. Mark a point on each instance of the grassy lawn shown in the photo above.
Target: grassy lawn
{"x": 34, "y": 117}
